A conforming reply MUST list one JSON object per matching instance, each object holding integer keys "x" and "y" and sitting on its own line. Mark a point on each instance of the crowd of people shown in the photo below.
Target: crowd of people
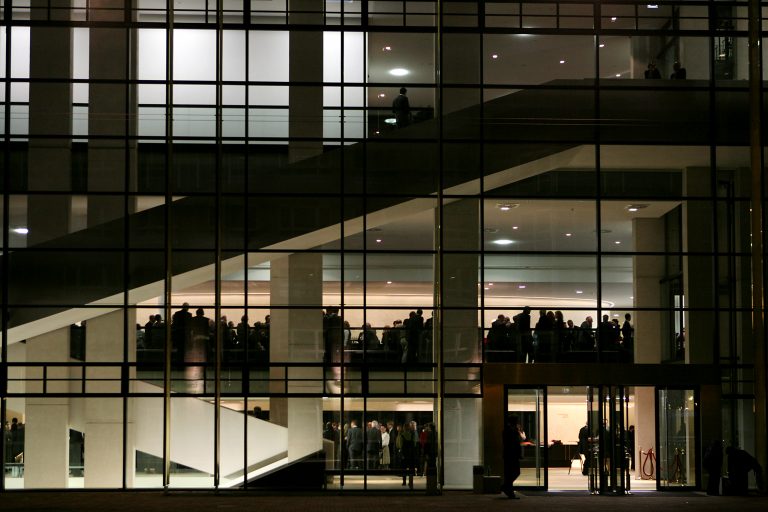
{"x": 515, "y": 339}
{"x": 193, "y": 337}
{"x": 407, "y": 448}
{"x": 405, "y": 341}
{"x": 13, "y": 434}
{"x": 520, "y": 340}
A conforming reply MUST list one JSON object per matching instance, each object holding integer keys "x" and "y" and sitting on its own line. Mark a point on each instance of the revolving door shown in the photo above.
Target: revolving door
{"x": 608, "y": 455}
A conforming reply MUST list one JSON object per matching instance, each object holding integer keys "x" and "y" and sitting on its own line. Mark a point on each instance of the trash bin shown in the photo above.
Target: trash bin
{"x": 478, "y": 472}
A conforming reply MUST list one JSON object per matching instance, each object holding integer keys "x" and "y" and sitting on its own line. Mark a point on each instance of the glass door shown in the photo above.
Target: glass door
{"x": 608, "y": 442}
{"x": 677, "y": 417}
{"x": 527, "y": 406}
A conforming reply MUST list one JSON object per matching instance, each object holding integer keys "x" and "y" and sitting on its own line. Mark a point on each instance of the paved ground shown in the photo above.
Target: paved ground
{"x": 384, "y": 502}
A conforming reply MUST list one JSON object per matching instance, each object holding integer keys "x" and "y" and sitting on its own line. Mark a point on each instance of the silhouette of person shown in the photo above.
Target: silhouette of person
{"x": 679, "y": 72}
{"x": 402, "y": 109}
{"x": 652, "y": 72}
{"x": 512, "y": 453}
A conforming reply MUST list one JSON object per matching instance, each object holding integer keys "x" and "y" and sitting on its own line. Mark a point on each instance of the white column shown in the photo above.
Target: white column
{"x": 110, "y": 105}
{"x": 461, "y": 232}
{"x": 305, "y": 102}
{"x": 647, "y": 271}
{"x": 46, "y": 439}
{"x": 296, "y": 336}
{"x": 104, "y": 416}
{"x": 50, "y": 123}
{"x": 698, "y": 270}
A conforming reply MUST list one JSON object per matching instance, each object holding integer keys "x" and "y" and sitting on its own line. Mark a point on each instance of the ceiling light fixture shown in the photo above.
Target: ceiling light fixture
{"x": 20, "y": 231}
{"x": 579, "y": 292}
{"x": 398, "y": 72}
{"x": 390, "y": 120}
{"x": 505, "y": 207}
{"x": 378, "y": 240}
{"x": 514, "y": 227}
{"x": 522, "y": 287}
{"x": 636, "y": 207}
{"x": 495, "y": 56}
{"x": 389, "y": 282}
{"x": 382, "y": 95}
{"x": 503, "y": 241}
{"x": 617, "y": 242}
{"x": 569, "y": 234}
{"x": 387, "y": 49}
{"x": 602, "y": 45}
{"x": 562, "y": 62}
{"x": 613, "y": 18}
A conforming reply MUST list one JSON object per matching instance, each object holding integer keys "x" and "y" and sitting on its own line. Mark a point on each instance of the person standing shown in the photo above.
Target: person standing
{"x": 385, "y": 455}
{"x": 523, "y": 323}
{"x": 679, "y": 72}
{"x": 584, "y": 448}
{"x": 512, "y": 454}
{"x": 406, "y": 446}
{"x": 402, "y": 109}
{"x": 713, "y": 465}
{"x": 355, "y": 445}
{"x": 373, "y": 445}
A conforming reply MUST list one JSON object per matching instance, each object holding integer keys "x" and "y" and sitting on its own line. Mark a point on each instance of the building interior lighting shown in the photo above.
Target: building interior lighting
{"x": 21, "y": 231}
{"x": 503, "y": 241}
{"x": 398, "y": 72}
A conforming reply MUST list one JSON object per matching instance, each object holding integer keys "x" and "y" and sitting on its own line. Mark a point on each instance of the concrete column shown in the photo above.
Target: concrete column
{"x": 305, "y": 102}
{"x": 50, "y": 123}
{"x": 461, "y": 232}
{"x": 645, "y": 424}
{"x": 647, "y": 271}
{"x": 104, "y": 416}
{"x": 698, "y": 270}
{"x": 46, "y": 439}
{"x": 112, "y": 57}
{"x": 296, "y": 335}
{"x": 462, "y": 434}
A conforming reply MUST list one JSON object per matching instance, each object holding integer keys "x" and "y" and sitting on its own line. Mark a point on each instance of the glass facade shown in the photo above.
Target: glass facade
{"x": 342, "y": 237}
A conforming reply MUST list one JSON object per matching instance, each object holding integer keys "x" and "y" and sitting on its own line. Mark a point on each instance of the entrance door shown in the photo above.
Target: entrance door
{"x": 608, "y": 442}
{"x": 527, "y": 405}
{"x": 677, "y": 417}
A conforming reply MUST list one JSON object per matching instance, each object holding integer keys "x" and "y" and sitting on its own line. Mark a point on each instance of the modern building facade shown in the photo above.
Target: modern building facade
{"x": 242, "y": 158}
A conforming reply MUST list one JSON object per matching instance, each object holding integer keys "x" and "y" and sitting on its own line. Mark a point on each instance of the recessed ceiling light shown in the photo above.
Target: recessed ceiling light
{"x": 495, "y": 56}
{"x": 579, "y": 292}
{"x": 389, "y": 282}
{"x": 490, "y": 284}
{"x": 486, "y": 288}
{"x": 602, "y": 45}
{"x": 615, "y": 315}
{"x": 390, "y": 120}
{"x": 505, "y": 207}
{"x": 398, "y": 72}
{"x": 20, "y": 231}
{"x": 522, "y": 286}
{"x": 618, "y": 75}
{"x": 514, "y": 227}
{"x": 631, "y": 298}
{"x": 569, "y": 234}
{"x": 382, "y": 95}
{"x": 613, "y": 18}
{"x": 636, "y": 207}
{"x": 376, "y": 132}
{"x": 562, "y": 62}
{"x": 387, "y": 49}
{"x": 652, "y": 6}
{"x": 503, "y": 241}
{"x": 617, "y": 242}
{"x": 378, "y": 240}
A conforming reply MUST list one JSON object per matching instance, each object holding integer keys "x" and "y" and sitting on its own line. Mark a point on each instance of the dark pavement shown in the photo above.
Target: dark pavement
{"x": 350, "y": 501}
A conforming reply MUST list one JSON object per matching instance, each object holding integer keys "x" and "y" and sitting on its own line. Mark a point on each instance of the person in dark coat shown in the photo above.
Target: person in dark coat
{"x": 512, "y": 454}
{"x": 373, "y": 445}
{"x": 401, "y": 107}
{"x": 407, "y": 442}
{"x": 355, "y": 445}
{"x": 740, "y": 463}
{"x": 584, "y": 448}
{"x": 713, "y": 465}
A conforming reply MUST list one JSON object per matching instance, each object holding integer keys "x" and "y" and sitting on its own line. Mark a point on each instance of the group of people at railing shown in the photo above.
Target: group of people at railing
{"x": 406, "y": 341}
{"x": 409, "y": 341}
{"x": 552, "y": 339}
{"x": 13, "y": 434}
{"x": 193, "y": 338}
